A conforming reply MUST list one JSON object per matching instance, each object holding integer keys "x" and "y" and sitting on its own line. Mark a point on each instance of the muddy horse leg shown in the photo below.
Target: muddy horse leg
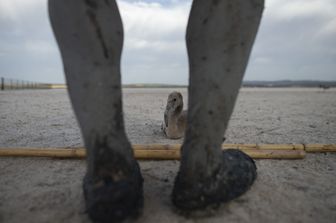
{"x": 220, "y": 35}
{"x": 90, "y": 37}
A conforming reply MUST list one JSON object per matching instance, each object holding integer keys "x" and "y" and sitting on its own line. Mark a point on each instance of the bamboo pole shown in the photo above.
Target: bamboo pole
{"x": 44, "y": 152}
{"x": 163, "y": 154}
{"x": 275, "y": 154}
{"x": 265, "y": 146}
{"x": 157, "y": 154}
{"x": 225, "y": 146}
{"x": 172, "y": 151}
{"x": 153, "y": 152}
{"x": 313, "y": 148}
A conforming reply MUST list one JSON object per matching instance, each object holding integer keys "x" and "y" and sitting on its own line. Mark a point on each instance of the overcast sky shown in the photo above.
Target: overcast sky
{"x": 296, "y": 40}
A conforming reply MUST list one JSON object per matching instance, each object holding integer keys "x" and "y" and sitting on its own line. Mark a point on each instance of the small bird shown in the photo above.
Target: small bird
{"x": 175, "y": 119}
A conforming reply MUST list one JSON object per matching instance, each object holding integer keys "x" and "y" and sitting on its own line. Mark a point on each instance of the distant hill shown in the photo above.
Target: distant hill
{"x": 281, "y": 83}
{"x": 154, "y": 86}
{"x": 289, "y": 83}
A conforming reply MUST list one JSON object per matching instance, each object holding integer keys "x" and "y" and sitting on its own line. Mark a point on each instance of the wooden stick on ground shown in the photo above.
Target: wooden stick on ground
{"x": 265, "y": 146}
{"x": 225, "y": 146}
{"x": 154, "y": 152}
{"x": 160, "y": 154}
{"x": 313, "y": 148}
{"x": 44, "y": 152}
{"x": 172, "y": 151}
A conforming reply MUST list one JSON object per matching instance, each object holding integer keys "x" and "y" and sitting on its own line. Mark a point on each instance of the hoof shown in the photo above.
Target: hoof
{"x": 114, "y": 201}
{"x": 235, "y": 176}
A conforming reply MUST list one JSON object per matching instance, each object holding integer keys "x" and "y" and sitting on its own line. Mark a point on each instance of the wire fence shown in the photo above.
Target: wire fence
{"x": 14, "y": 84}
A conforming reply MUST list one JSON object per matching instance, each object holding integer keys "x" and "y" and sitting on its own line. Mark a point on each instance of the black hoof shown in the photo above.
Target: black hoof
{"x": 235, "y": 176}
{"x": 114, "y": 201}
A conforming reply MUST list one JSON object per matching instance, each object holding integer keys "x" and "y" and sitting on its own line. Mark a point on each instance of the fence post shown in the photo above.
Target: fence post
{"x": 2, "y": 83}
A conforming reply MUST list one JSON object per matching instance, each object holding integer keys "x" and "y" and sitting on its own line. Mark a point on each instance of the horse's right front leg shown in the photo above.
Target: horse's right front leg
{"x": 90, "y": 37}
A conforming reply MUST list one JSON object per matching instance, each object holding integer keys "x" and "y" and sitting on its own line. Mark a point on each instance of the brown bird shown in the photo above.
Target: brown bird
{"x": 175, "y": 119}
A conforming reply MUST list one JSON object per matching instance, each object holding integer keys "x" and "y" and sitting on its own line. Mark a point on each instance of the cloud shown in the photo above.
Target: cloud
{"x": 153, "y": 20}
{"x": 40, "y": 47}
{"x": 27, "y": 46}
{"x": 153, "y": 26}
{"x": 290, "y": 9}
{"x": 154, "y": 49}
{"x": 17, "y": 10}
{"x": 296, "y": 40}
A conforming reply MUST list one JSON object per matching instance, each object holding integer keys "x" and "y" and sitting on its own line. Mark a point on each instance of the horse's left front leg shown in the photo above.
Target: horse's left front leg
{"x": 220, "y": 36}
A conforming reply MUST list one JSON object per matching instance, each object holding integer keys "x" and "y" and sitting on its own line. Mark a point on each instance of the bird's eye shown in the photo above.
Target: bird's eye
{"x": 174, "y": 99}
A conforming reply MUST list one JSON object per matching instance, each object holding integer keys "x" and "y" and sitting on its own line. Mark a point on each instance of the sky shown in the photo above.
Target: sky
{"x": 296, "y": 41}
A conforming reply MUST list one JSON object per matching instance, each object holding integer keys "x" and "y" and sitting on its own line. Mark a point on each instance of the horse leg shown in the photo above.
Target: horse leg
{"x": 220, "y": 35}
{"x": 90, "y": 37}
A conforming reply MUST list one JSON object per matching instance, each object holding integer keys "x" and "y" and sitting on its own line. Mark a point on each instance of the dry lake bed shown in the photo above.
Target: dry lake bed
{"x": 49, "y": 190}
